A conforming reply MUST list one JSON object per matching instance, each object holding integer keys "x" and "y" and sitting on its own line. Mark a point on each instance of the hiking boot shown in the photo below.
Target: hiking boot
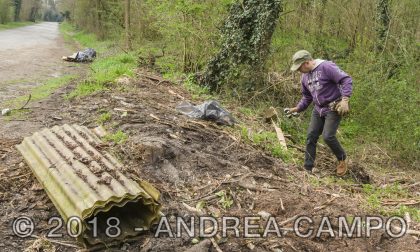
{"x": 308, "y": 169}
{"x": 341, "y": 168}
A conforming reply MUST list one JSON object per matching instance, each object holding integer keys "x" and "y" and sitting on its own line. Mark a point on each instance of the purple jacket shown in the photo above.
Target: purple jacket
{"x": 325, "y": 84}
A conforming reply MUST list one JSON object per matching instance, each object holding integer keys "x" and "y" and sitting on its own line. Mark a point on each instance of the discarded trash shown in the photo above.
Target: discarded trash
{"x": 209, "y": 110}
{"x": 88, "y": 55}
{"x": 87, "y": 185}
{"x": 6, "y": 112}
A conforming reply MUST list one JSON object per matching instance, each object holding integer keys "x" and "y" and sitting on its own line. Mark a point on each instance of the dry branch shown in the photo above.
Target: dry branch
{"x": 280, "y": 135}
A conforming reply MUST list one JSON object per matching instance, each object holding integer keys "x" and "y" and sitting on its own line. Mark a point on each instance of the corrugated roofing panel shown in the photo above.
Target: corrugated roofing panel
{"x": 86, "y": 182}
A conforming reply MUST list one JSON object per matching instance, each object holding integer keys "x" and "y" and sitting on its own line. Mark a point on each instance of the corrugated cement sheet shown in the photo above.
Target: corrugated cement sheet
{"x": 87, "y": 183}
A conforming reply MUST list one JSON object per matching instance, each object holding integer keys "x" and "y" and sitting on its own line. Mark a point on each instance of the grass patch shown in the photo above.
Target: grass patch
{"x": 85, "y": 88}
{"x": 109, "y": 68}
{"x": 104, "y": 117}
{"x": 13, "y": 25}
{"x": 118, "y": 137}
{"x": 375, "y": 195}
{"x": 42, "y": 91}
{"x": 104, "y": 73}
{"x": 225, "y": 200}
{"x": 266, "y": 140}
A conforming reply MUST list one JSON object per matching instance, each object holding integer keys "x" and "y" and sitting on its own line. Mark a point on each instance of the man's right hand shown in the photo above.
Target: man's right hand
{"x": 291, "y": 111}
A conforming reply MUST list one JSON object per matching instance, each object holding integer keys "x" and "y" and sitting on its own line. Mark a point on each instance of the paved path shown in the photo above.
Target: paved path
{"x": 29, "y": 56}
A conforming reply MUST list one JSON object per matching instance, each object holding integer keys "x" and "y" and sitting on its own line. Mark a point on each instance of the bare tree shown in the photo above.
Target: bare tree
{"x": 128, "y": 44}
{"x": 17, "y": 4}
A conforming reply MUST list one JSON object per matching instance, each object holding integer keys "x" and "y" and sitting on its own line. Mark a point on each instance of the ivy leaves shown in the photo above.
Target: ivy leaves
{"x": 246, "y": 37}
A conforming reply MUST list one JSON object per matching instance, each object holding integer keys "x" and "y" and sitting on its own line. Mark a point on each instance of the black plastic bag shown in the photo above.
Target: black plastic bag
{"x": 83, "y": 56}
{"x": 209, "y": 110}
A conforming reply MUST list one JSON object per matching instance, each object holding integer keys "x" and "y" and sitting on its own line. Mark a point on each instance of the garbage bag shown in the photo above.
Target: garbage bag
{"x": 209, "y": 110}
{"x": 86, "y": 55}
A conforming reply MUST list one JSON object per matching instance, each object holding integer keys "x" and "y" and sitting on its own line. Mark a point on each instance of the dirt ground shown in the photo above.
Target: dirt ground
{"x": 188, "y": 161}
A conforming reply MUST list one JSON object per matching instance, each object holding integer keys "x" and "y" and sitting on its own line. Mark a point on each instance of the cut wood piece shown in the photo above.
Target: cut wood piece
{"x": 192, "y": 209}
{"x": 280, "y": 135}
{"x": 215, "y": 245}
{"x": 255, "y": 187}
{"x": 154, "y": 117}
{"x": 176, "y": 94}
{"x": 282, "y": 206}
{"x": 152, "y": 77}
{"x": 125, "y": 110}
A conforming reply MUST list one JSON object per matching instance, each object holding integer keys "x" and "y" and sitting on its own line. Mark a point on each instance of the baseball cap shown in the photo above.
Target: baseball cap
{"x": 298, "y": 58}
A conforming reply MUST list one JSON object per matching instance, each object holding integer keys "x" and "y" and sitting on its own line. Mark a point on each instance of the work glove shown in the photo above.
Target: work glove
{"x": 343, "y": 106}
{"x": 291, "y": 112}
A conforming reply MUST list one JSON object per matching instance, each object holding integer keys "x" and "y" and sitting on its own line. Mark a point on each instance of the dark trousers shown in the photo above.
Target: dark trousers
{"x": 327, "y": 126}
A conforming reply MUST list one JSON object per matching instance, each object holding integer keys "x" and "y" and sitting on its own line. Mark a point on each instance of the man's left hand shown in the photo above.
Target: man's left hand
{"x": 343, "y": 106}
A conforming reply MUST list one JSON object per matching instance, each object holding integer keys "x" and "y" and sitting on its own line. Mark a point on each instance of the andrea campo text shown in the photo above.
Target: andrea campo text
{"x": 302, "y": 226}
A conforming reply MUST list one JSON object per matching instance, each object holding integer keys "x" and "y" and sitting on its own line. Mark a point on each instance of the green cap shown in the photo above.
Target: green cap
{"x": 298, "y": 58}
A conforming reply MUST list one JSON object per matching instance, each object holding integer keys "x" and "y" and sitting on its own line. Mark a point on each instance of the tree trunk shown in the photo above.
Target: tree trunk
{"x": 18, "y": 5}
{"x": 128, "y": 44}
{"x": 383, "y": 21}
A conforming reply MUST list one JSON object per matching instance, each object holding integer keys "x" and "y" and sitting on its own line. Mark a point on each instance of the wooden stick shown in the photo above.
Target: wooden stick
{"x": 280, "y": 135}
{"x": 407, "y": 219}
{"x": 29, "y": 99}
{"x": 406, "y": 202}
{"x": 154, "y": 117}
{"x": 408, "y": 231}
{"x": 412, "y": 185}
{"x": 325, "y": 203}
{"x": 254, "y": 187}
{"x": 215, "y": 245}
{"x": 281, "y": 205}
{"x": 20, "y": 176}
{"x": 289, "y": 220}
{"x": 192, "y": 209}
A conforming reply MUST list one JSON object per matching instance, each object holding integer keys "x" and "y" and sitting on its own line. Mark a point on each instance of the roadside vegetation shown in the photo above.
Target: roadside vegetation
{"x": 13, "y": 25}
{"x": 42, "y": 91}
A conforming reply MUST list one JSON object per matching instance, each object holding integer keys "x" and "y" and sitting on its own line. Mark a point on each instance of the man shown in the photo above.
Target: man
{"x": 330, "y": 89}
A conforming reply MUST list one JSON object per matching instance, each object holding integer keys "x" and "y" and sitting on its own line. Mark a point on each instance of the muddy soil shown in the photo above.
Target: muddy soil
{"x": 188, "y": 161}
{"x": 29, "y": 56}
